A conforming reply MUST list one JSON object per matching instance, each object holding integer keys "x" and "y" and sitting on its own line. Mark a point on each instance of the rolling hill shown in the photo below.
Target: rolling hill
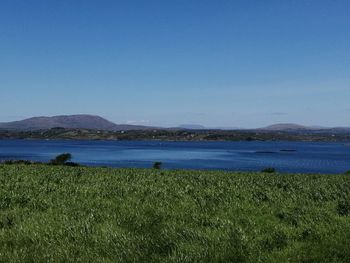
{"x": 93, "y": 122}
{"x": 292, "y": 127}
{"x": 285, "y": 126}
{"x": 80, "y": 121}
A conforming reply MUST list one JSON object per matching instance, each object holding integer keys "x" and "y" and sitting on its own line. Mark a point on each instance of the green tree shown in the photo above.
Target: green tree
{"x": 157, "y": 165}
{"x": 61, "y": 159}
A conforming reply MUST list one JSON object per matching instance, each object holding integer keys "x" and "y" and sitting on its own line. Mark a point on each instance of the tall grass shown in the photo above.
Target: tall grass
{"x": 66, "y": 214}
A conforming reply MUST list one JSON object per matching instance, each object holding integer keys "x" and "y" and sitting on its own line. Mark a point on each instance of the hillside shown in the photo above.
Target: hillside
{"x": 192, "y": 127}
{"x": 285, "y": 126}
{"x": 94, "y": 123}
{"x": 292, "y": 127}
{"x": 81, "y": 121}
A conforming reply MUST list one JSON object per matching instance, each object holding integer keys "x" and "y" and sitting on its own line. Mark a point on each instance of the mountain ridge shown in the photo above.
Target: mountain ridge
{"x": 95, "y": 122}
{"x": 76, "y": 121}
{"x": 286, "y": 126}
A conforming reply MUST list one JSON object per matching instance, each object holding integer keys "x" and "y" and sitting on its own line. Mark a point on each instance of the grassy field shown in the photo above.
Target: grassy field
{"x": 77, "y": 214}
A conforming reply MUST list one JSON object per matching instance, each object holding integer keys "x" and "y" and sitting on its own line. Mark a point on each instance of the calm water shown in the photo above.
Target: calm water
{"x": 244, "y": 156}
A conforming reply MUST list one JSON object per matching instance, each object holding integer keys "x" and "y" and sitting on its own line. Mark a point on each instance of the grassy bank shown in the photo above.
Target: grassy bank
{"x": 72, "y": 214}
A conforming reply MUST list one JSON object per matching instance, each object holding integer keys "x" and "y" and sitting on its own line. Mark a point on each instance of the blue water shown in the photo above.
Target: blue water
{"x": 306, "y": 157}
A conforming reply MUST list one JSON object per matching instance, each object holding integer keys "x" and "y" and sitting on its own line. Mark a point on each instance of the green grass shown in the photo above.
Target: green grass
{"x": 77, "y": 214}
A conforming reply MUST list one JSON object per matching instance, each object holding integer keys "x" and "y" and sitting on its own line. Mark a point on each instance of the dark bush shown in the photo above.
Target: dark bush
{"x": 73, "y": 164}
{"x": 269, "y": 170}
{"x": 17, "y": 162}
{"x": 26, "y": 162}
{"x": 347, "y": 173}
{"x": 61, "y": 159}
{"x": 157, "y": 165}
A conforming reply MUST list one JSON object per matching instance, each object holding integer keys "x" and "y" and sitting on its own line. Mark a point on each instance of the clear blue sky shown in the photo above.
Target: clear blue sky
{"x": 217, "y": 63}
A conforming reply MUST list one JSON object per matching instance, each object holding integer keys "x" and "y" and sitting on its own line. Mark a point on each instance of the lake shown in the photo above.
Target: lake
{"x": 303, "y": 157}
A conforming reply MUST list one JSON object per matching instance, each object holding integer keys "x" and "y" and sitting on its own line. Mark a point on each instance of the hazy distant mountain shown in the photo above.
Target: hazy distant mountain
{"x": 201, "y": 127}
{"x": 93, "y": 122}
{"x": 81, "y": 121}
{"x": 227, "y": 128}
{"x": 192, "y": 126}
{"x": 301, "y": 128}
{"x": 285, "y": 127}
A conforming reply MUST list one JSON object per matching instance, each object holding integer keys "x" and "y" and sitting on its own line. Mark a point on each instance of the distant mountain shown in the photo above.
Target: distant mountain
{"x": 201, "y": 127}
{"x": 300, "y": 128}
{"x": 81, "y": 121}
{"x": 227, "y": 128}
{"x": 92, "y": 122}
{"x": 285, "y": 127}
{"x": 192, "y": 127}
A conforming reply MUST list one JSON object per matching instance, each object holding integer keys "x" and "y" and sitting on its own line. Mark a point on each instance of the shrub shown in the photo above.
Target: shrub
{"x": 61, "y": 159}
{"x": 26, "y": 162}
{"x": 73, "y": 164}
{"x": 17, "y": 162}
{"x": 347, "y": 173}
{"x": 269, "y": 170}
{"x": 157, "y": 165}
